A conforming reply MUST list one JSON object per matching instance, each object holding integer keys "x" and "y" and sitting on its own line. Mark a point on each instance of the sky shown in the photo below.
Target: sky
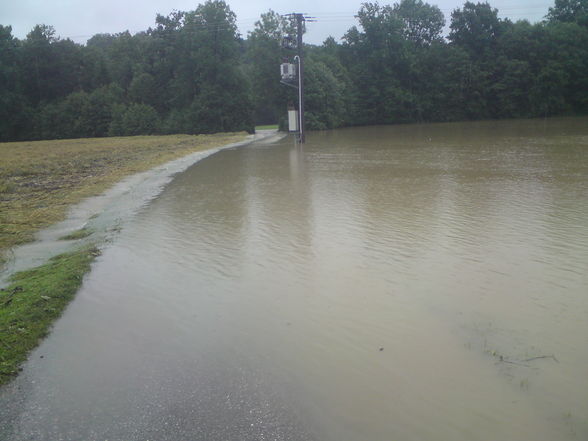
{"x": 81, "y": 19}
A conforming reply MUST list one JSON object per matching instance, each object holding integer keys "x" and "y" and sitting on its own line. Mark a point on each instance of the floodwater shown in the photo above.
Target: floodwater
{"x": 420, "y": 282}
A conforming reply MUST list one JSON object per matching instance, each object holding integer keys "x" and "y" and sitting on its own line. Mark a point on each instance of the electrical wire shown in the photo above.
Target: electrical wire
{"x": 323, "y": 17}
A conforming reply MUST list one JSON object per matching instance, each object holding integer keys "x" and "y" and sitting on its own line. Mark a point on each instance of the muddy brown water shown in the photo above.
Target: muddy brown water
{"x": 422, "y": 282}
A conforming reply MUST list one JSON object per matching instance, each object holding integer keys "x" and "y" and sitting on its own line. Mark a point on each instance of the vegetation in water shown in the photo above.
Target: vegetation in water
{"x": 193, "y": 73}
{"x": 78, "y": 234}
{"x": 32, "y": 301}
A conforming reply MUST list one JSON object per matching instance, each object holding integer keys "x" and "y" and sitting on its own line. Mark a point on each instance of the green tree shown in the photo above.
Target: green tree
{"x": 262, "y": 59}
{"x": 50, "y": 122}
{"x": 324, "y": 101}
{"x": 13, "y": 110}
{"x": 563, "y": 75}
{"x": 381, "y": 59}
{"x": 192, "y": 73}
{"x": 36, "y": 64}
{"x": 476, "y": 28}
{"x": 220, "y": 89}
{"x": 444, "y": 81}
{"x": 96, "y": 115}
{"x": 122, "y": 55}
{"x": 569, "y": 11}
{"x": 136, "y": 119}
{"x": 143, "y": 89}
{"x": 93, "y": 69}
{"x": 422, "y": 23}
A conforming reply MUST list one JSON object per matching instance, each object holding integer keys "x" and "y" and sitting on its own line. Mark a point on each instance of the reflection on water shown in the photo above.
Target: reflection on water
{"x": 409, "y": 283}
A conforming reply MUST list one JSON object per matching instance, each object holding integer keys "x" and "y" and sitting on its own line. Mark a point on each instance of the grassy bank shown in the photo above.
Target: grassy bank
{"x": 32, "y": 301}
{"x": 267, "y": 127}
{"x": 40, "y": 180}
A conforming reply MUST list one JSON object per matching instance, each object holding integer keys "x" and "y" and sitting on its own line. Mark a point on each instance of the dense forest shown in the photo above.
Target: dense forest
{"x": 193, "y": 73}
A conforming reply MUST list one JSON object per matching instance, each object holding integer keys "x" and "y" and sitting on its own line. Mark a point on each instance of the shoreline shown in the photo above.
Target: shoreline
{"x": 41, "y": 180}
{"x": 43, "y": 276}
{"x": 104, "y": 215}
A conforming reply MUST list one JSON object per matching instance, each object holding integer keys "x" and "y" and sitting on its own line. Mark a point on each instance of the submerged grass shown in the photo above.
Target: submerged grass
{"x": 78, "y": 234}
{"x": 40, "y": 180}
{"x": 32, "y": 301}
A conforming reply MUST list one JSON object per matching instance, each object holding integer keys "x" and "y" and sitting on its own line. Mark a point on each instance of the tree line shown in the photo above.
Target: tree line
{"x": 193, "y": 73}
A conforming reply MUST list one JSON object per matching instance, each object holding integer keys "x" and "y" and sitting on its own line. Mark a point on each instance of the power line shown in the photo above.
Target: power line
{"x": 325, "y": 17}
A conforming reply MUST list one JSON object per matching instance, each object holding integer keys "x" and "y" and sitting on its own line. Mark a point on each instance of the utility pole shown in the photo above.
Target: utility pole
{"x": 299, "y": 21}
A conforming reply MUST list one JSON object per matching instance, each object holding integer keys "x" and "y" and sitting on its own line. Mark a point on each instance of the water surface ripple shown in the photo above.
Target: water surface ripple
{"x": 421, "y": 282}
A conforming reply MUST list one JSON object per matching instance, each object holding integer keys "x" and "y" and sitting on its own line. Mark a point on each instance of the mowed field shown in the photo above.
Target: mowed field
{"x": 40, "y": 180}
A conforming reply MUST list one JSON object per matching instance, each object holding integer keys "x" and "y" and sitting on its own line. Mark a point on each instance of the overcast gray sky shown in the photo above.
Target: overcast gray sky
{"x": 80, "y": 19}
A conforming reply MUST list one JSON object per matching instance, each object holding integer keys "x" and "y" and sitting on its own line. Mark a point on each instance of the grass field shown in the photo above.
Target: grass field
{"x": 267, "y": 127}
{"x": 32, "y": 302}
{"x": 40, "y": 180}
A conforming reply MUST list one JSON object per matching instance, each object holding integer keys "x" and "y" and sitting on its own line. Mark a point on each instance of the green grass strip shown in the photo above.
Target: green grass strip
{"x": 33, "y": 301}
